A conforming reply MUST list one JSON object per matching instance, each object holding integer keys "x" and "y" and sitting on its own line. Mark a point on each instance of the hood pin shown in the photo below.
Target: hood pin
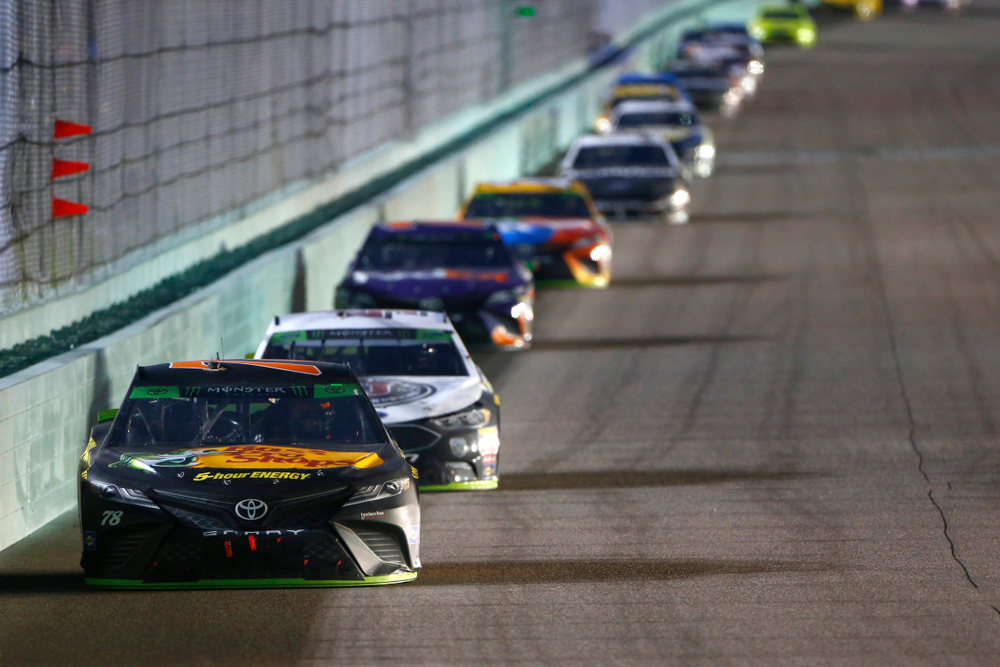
{"x": 180, "y": 474}
{"x": 227, "y": 482}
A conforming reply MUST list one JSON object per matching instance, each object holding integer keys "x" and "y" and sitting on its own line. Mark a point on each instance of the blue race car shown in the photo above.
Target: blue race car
{"x": 461, "y": 268}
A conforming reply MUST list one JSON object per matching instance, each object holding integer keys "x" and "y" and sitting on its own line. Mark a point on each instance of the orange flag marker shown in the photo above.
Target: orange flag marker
{"x": 64, "y": 129}
{"x": 62, "y": 208}
{"x": 62, "y": 168}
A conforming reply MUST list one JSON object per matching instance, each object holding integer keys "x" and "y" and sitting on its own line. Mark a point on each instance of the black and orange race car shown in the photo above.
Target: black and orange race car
{"x": 246, "y": 474}
{"x": 552, "y": 225}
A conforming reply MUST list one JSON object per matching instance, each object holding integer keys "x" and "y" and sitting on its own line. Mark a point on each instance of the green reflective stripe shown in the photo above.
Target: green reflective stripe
{"x": 474, "y": 485}
{"x": 433, "y": 334}
{"x": 288, "y": 336}
{"x": 105, "y": 415}
{"x": 399, "y": 578}
{"x": 335, "y": 390}
{"x": 155, "y": 392}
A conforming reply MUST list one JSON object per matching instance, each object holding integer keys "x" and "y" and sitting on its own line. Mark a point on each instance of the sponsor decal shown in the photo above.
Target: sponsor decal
{"x": 89, "y": 540}
{"x": 247, "y": 533}
{"x": 386, "y": 393}
{"x": 290, "y": 367}
{"x": 413, "y": 534}
{"x": 257, "y": 474}
{"x": 301, "y": 391}
{"x": 414, "y": 472}
{"x": 264, "y": 457}
{"x": 372, "y": 515}
{"x": 251, "y": 509}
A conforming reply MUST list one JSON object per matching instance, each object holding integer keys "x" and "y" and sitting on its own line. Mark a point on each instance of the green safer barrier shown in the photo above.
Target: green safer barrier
{"x": 108, "y": 320}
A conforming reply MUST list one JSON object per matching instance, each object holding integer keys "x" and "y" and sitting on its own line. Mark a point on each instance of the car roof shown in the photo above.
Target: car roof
{"x": 361, "y": 319}
{"x": 531, "y": 185}
{"x": 646, "y": 77}
{"x": 431, "y": 227}
{"x": 232, "y": 372}
{"x": 782, "y": 7}
{"x": 652, "y": 106}
{"x": 631, "y": 138}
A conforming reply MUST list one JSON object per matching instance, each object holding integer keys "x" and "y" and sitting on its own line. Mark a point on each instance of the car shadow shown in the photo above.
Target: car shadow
{"x": 692, "y": 281}
{"x": 41, "y": 583}
{"x": 511, "y": 572}
{"x": 632, "y": 479}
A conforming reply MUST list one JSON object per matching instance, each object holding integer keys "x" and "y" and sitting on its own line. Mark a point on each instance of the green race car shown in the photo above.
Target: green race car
{"x": 783, "y": 23}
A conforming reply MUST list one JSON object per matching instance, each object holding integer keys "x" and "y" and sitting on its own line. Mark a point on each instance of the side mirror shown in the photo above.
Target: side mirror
{"x": 106, "y": 415}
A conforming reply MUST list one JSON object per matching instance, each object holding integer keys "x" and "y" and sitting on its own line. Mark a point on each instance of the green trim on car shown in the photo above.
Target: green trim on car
{"x": 474, "y": 485}
{"x": 398, "y": 578}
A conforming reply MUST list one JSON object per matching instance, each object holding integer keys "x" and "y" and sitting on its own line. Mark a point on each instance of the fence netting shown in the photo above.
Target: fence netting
{"x": 202, "y": 108}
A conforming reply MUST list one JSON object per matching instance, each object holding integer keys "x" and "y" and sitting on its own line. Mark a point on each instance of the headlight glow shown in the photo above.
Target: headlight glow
{"x": 600, "y": 253}
{"x": 467, "y": 419}
{"x": 524, "y": 310}
{"x": 705, "y": 152}
{"x": 805, "y": 35}
{"x": 603, "y": 124}
{"x": 755, "y": 67}
{"x": 680, "y": 198}
{"x": 367, "y": 494}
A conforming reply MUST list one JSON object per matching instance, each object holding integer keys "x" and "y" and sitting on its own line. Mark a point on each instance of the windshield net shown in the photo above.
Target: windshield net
{"x": 373, "y": 352}
{"x": 658, "y": 118}
{"x": 321, "y": 416}
{"x": 545, "y": 205}
{"x": 601, "y": 157}
{"x": 415, "y": 252}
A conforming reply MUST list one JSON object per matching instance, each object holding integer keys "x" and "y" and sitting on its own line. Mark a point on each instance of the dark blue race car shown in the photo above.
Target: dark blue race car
{"x": 461, "y": 268}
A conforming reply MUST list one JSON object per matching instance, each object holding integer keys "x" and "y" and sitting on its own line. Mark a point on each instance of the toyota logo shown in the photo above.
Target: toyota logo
{"x": 251, "y": 509}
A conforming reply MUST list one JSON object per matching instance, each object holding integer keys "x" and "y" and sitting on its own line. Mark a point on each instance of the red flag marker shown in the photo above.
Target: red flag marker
{"x": 62, "y": 168}
{"x": 64, "y": 129}
{"x": 62, "y": 208}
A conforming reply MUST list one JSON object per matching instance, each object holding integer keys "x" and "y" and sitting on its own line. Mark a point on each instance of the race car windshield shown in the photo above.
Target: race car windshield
{"x": 602, "y": 157}
{"x": 543, "y": 205}
{"x": 376, "y": 352}
{"x": 782, "y": 15}
{"x": 658, "y": 118}
{"x": 321, "y": 416}
{"x": 664, "y": 97}
{"x": 413, "y": 252}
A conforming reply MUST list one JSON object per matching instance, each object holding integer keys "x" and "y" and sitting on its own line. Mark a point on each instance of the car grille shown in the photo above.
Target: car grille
{"x": 199, "y": 521}
{"x": 413, "y": 438}
{"x": 382, "y": 545}
{"x": 122, "y": 546}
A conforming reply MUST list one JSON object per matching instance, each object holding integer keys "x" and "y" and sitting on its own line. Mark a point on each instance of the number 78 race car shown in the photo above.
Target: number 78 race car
{"x": 246, "y": 474}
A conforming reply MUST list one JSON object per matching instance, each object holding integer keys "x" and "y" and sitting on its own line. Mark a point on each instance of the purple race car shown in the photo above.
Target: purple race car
{"x": 461, "y": 268}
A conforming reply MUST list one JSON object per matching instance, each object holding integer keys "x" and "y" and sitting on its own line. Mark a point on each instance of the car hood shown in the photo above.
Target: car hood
{"x": 268, "y": 471}
{"x": 435, "y": 283}
{"x": 401, "y": 399}
{"x": 546, "y": 233}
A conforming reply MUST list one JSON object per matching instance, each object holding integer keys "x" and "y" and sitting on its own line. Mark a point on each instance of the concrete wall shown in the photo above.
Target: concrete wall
{"x": 46, "y": 411}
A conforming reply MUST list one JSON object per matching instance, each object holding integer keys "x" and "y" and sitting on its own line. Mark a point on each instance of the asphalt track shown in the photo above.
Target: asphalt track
{"x": 773, "y": 441}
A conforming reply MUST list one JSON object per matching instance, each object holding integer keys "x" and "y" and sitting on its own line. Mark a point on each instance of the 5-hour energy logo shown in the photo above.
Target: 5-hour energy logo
{"x": 205, "y": 476}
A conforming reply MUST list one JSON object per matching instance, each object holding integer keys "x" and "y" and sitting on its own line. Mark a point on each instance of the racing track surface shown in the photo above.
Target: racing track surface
{"x": 774, "y": 441}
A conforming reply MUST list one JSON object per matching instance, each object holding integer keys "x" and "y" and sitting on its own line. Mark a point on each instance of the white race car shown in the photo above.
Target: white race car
{"x": 678, "y": 123}
{"x": 439, "y": 407}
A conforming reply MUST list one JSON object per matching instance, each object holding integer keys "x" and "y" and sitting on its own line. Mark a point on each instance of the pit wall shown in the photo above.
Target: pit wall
{"x": 46, "y": 411}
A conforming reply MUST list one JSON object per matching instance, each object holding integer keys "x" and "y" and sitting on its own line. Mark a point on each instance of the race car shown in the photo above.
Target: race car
{"x": 712, "y": 86}
{"x": 552, "y": 224}
{"x": 635, "y": 86}
{"x": 439, "y": 407}
{"x": 863, "y": 9}
{"x": 783, "y": 23}
{"x": 678, "y": 123}
{"x": 730, "y": 35}
{"x": 461, "y": 268}
{"x": 237, "y": 473}
{"x": 630, "y": 173}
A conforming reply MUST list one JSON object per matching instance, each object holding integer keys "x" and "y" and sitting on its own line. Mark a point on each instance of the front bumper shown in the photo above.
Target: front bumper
{"x": 190, "y": 544}
{"x": 429, "y": 450}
